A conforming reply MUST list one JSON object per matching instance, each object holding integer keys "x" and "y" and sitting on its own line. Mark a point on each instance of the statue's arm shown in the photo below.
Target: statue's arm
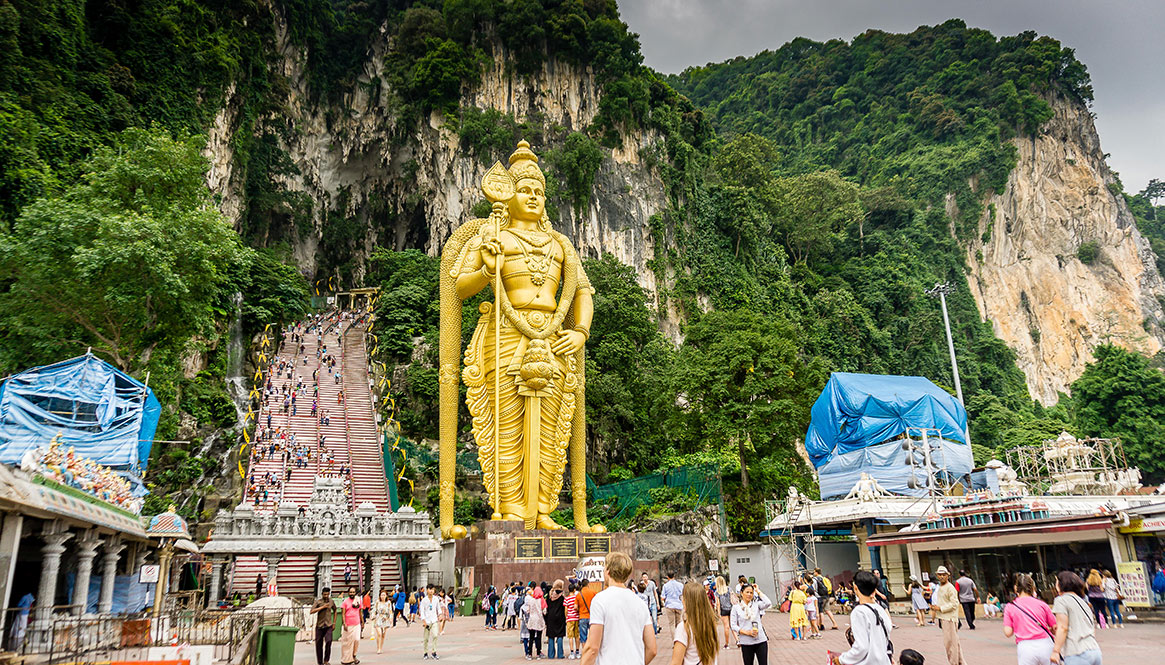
{"x": 584, "y": 310}
{"x": 473, "y": 277}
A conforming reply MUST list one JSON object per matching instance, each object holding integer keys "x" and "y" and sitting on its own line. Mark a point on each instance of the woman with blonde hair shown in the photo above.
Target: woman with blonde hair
{"x": 1095, "y": 591}
{"x": 695, "y": 640}
{"x": 724, "y": 602}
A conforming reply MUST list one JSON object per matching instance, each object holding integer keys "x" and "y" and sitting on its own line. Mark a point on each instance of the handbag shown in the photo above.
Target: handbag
{"x": 849, "y": 632}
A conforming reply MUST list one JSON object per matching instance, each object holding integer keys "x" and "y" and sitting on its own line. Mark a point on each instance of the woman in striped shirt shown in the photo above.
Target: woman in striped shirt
{"x": 570, "y": 602}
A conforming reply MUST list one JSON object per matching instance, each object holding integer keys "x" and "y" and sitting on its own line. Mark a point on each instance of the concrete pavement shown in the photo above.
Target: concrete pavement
{"x": 466, "y": 641}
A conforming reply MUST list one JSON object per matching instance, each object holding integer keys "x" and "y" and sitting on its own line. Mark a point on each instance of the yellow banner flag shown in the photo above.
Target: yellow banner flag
{"x": 242, "y": 474}
{"x": 246, "y": 437}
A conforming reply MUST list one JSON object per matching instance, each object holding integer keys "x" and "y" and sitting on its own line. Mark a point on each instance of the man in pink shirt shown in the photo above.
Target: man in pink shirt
{"x": 353, "y": 627}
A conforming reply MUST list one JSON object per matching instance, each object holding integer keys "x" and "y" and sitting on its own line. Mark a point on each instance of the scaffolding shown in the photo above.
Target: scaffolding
{"x": 1067, "y": 465}
{"x": 794, "y": 547}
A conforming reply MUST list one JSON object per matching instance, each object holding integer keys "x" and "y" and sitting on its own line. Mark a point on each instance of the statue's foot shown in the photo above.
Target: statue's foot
{"x": 510, "y": 517}
{"x": 544, "y": 522}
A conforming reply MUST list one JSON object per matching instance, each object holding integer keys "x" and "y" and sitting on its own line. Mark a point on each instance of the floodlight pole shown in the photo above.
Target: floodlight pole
{"x": 940, "y": 291}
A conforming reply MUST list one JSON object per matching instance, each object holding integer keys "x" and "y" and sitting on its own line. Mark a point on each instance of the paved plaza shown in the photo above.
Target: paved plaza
{"x": 466, "y": 641}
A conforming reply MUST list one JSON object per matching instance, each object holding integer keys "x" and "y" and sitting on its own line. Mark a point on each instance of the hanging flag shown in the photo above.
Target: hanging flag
{"x": 242, "y": 474}
{"x": 246, "y": 437}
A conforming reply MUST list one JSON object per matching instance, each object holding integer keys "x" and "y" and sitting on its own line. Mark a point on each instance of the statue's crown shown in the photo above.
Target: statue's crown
{"x": 524, "y": 164}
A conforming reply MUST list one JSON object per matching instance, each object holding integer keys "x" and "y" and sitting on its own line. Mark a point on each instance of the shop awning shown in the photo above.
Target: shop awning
{"x": 1033, "y": 527}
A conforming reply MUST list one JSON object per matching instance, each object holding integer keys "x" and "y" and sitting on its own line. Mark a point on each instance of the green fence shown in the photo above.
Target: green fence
{"x": 702, "y": 482}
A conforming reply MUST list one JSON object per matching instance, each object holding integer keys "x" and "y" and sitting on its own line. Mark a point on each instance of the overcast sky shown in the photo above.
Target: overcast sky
{"x": 1122, "y": 42}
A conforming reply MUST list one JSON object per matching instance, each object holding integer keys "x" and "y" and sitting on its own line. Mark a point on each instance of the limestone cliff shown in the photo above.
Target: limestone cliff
{"x": 1043, "y": 301}
{"x": 413, "y": 194}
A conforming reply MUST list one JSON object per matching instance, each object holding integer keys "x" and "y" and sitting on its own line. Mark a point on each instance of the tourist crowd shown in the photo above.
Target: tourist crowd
{"x": 616, "y": 622}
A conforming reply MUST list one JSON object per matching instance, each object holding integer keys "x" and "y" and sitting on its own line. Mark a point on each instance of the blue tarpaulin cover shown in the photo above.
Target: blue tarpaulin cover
{"x": 855, "y": 422}
{"x": 102, "y": 412}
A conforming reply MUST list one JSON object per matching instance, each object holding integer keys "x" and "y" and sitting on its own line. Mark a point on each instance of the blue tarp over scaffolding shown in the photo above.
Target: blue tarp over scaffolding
{"x": 855, "y": 423}
{"x": 103, "y": 413}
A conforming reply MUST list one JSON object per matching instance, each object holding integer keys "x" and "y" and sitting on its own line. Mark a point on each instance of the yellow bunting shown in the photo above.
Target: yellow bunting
{"x": 258, "y": 374}
{"x": 242, "y": 474}
{"x": 246, "y": 437}
{"x": 375, "y": 349}
{"x": 262, "y": 357}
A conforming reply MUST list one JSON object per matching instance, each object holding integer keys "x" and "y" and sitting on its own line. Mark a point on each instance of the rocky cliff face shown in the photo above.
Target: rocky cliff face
{"x": 1027, "y": 278}
{"x": 415, "y": 195}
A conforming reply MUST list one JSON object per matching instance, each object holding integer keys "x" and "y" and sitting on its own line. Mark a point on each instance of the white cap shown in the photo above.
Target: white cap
{"x": 942, "y": 570}
{"x": 913, "y": 578}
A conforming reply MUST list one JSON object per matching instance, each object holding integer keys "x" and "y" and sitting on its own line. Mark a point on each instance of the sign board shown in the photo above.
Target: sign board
{"x": 591, "y": 568}
{"x": 149, "y": 574}
{"x": 714, "y": 565}
{"x": 1134, "y": 581}
{"x": 596, "y": 544}
{"x": 564, "y": 548}
{"x": 1152, "y": 525}
{"x": 529, "y": 548}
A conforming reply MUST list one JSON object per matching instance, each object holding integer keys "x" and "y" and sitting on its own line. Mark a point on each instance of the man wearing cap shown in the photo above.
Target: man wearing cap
{"x": 946, "y": 604}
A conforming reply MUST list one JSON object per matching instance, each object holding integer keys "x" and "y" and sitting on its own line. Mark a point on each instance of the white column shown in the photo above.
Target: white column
{"x": 113, "y": 548}
{"x": 377, "y": 574}
{"x": 272, "y": 567}
{"x": 324, "y": 578}
{"x": 55, "y": 535}
{"x": 915, "y": 563}
{"x": 421, "y": 569}
{"x": 9, "y": 548}
{"x": 1115, "y": 540}
{"x": 216, "y": 566}
{"x": 87, "y": 546}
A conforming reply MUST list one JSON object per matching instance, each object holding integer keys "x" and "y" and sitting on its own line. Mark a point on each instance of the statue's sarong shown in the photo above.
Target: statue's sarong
{"x": 557, "y": 410}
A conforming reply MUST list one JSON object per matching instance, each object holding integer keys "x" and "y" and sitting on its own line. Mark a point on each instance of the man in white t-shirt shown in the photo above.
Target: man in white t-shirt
{"x": 621, "y": 632}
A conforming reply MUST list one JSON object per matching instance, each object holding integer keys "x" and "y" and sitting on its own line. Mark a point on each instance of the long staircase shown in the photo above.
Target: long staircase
{"x": 350, "y": 436}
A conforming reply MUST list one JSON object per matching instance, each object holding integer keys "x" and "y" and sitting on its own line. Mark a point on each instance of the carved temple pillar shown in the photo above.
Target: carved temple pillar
{"x": 113, "y": 548}
{"x": 377, "y": 575}
{"x": 324, "y": 578}
{"x": 273, "y": 568}
{"x": 87, "y": 546}
{"x": 216, "y": 566}
{"x": 165, "y": 554}
{"x": 55, "y": 534}
{"x": 420, "y": 567}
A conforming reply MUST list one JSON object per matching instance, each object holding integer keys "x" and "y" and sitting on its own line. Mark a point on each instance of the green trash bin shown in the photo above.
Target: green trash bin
{"x": 277, "y": 645}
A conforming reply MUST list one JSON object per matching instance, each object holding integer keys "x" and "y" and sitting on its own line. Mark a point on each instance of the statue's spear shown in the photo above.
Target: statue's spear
{"x": 498, "y": 187}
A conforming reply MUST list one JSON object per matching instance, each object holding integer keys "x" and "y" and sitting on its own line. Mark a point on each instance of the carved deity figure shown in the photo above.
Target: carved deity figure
{"x": 523, "y": 367}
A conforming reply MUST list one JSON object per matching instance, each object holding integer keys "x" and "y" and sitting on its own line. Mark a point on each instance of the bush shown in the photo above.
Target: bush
{"x": 1088, "y": 252}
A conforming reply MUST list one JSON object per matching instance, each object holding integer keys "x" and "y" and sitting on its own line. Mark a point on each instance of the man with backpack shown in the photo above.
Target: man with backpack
{"x": 869, "y": 631}
{"x": 824, "y": 590}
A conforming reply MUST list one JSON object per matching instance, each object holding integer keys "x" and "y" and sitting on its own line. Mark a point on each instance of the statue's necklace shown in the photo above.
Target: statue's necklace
{"x": 536, "y": 251}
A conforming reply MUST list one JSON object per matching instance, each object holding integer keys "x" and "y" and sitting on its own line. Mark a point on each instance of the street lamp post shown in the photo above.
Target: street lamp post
{"x": 940, "y": 291}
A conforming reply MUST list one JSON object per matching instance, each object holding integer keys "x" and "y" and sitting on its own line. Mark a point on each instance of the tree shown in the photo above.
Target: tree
{"x": 129, "y": 260}
{"x": 1122, "y": 395}
{"x": 814, "y": 207}
{"x": 741, "y": 381}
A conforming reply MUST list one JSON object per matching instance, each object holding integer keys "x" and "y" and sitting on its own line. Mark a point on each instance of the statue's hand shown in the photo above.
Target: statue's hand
{"x": 490, "y": 247}
{"x": 567, "y": 342}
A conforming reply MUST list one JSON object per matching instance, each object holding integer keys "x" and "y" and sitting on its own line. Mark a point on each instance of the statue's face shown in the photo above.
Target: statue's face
{"x": 529, "y": 200}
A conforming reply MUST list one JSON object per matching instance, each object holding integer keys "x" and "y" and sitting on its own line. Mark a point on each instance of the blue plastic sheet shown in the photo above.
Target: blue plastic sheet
{"x": 103, "y": 413}
{"x": 855, "y": 422}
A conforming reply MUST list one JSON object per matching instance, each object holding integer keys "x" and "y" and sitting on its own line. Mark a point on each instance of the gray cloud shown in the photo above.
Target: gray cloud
{"x": 1120, "y": 42}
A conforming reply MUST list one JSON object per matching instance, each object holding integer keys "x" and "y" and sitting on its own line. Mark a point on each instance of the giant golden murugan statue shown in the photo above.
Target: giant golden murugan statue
{"x": 524, "y": 364}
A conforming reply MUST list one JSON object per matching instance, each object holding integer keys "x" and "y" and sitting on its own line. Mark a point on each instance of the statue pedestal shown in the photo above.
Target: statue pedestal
{"x": 498, "y": 553}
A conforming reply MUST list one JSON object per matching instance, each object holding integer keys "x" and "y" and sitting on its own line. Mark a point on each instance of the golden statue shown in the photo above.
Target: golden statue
{"x": 525, "y": 385}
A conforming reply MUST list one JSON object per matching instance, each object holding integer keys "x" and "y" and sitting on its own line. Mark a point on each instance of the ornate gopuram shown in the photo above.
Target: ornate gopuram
{"x": 302, "y": 546}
